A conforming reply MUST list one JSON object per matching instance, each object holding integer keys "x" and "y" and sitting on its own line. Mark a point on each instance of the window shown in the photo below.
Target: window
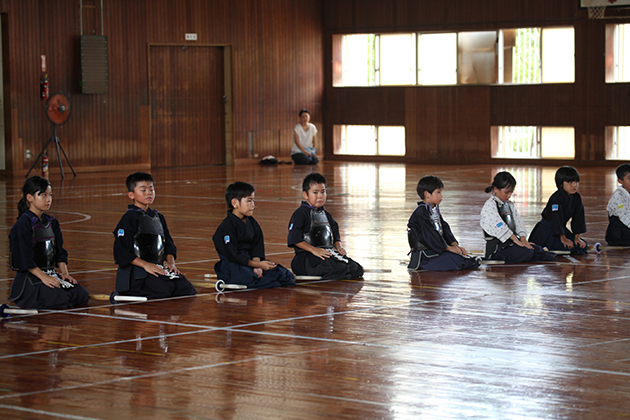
{"x": 397, "y": 59}
{"x": 558, "y": 55}
{"x": 618, "y": 53}
{"x": 437, "y": 59}
{"x": 358, "y": 60}
{"x": 476, "y": 57}
{"x": 369, "y": 140}
{"x": 618, "y": 143}
{"x": 518, "y": 56}
{"x": 531, "y": 142}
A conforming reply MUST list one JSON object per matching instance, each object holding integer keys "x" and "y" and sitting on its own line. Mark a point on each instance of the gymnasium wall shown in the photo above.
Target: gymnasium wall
{"x": 276, "y": 60}
{"x": 451, "y": 124}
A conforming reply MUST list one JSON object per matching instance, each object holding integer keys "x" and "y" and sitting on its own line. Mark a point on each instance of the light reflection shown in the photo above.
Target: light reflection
{"x": 530, "y": 184}
{"x": 569, "y": 283}
{"x": 532, "y": 301}
{"x": 370, "y": 218}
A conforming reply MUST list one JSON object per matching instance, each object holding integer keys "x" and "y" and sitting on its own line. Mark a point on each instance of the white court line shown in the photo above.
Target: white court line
{"x": 85, "y": 216}
{"x": 240, "y": 328}
{"x": 46, "y": 413}
{"x": 573, "y": 260}
{"x": 88, "y": 231}
{"x": 157, "y": 374}
{"x": 223, "y": 364}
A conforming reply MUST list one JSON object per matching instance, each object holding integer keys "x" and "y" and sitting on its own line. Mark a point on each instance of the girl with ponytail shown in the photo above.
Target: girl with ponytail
{"x": 36, "y": 247}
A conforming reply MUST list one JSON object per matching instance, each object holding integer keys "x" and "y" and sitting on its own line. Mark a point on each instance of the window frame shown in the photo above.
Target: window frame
{"x": 499, "y": 53}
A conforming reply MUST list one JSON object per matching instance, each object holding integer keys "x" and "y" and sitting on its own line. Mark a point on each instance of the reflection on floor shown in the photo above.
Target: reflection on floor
{"x": 547, "y": 340}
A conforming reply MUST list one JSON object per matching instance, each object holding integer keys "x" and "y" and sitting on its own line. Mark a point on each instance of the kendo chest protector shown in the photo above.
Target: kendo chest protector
{"x": 149, "y": 242}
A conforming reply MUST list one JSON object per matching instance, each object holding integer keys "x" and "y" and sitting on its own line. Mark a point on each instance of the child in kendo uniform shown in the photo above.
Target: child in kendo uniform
{"x": 504, "y": 229}
{"x": 551, "y": 232}
{"x": 618, "y": 231}
{"x": 36, "y": 246}
{"x": 144, "y": 249}
{"x": 433, "y": 245}
{"x": 240, "y": 244}
{"x": 314, "y": 235}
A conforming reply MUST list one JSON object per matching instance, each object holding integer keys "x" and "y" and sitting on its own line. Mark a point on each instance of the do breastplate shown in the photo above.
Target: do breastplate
{"x": 43, "y": 241}
{"x": 506, "y": 214}
{"x": 435, "y": 219}
{"x": 148, "y": 242}
{"x": 320, "y": 235}
{"x": 43, "y": 244}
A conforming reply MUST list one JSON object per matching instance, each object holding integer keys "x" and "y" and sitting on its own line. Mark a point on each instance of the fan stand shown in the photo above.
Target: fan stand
{"x": 58, "y": 146}
{"x": 58, "y": 111}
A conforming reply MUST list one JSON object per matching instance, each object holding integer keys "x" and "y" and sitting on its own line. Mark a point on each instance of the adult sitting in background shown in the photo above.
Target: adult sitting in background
{"x": 303, "y": 150}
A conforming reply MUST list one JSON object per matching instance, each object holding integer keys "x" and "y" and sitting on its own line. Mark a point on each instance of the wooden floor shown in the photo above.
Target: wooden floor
{"x": 545, "y": 340}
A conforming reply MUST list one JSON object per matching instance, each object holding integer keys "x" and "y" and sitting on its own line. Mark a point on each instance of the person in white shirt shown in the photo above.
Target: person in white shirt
{"x": 504, "y": 229}
{"x": 303, "y": 150}
{"x": 618, "y": 231}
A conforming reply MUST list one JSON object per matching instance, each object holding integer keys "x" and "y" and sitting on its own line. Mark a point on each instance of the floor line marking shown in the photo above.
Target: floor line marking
{"x": 241, "y": 328}
{"x": 157, "y": 374}
{"x": 46, "y": 413}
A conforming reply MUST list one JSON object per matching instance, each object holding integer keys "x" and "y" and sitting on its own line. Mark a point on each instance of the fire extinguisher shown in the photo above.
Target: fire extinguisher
{"x": 44, "y": 88}
{"x": 45, "y": 166}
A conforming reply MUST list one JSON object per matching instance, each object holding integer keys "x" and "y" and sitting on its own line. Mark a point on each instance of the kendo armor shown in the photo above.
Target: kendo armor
{"x": 414, "y": 243}
{"x": 506, "y": 214}
{"x": 417, "y": 247}
{"x": 320, "y": 234}
{"x": 44, "y": 245}
{"x": 492, "y": 243}
{"x": 149, "y": 242}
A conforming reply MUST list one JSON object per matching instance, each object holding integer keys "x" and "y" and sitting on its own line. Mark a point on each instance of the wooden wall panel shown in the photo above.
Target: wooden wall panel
{"x": 438, "y": 118}
{"x": 277, "y": 69}
{"x": 354, "y": 16}
{"x": 186, "y": 86}
{"x": 452, "y": 124}
{"x": 355, "y": 105}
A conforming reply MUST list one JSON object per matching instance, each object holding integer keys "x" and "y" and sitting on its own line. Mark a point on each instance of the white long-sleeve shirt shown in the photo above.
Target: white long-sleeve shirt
{"x": 492, "y": 223}
{"x": 619, "y": 205}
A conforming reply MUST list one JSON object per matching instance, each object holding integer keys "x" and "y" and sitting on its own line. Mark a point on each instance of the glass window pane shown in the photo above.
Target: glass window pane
{"x": 391, "y": 141}
{"x": 623, "y": 142}
{"x": 617, "y": 54}
{"x": 397, "y": 59}
{"x": 517, "y": 142}
{"x": 526, "y": 57}
{"x": 358, "y": 140}
{"x": 558, "y": 142}
{"x": 558, "y": 55}
{"x": 358, "y": 60}
{"x": 437, "y": 58}
{"x": 477, "y": 57}
{"x": 618, "y": 143}
{"x": 622, "y": 55}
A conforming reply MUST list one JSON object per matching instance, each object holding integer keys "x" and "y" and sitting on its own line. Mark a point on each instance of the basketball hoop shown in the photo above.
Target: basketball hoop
{"x": 596, "y": 8}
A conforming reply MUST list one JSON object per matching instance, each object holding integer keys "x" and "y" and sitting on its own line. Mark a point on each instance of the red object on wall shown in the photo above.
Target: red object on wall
{"x": 44, "y": 87}
{"x": 45, "y": 166}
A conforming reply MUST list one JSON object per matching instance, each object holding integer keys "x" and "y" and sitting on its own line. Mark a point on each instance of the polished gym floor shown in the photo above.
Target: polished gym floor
{"x": 540, "y": 340}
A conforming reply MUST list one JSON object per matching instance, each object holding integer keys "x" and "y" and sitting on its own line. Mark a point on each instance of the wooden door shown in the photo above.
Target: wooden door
{"x": 186, "y": 91}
